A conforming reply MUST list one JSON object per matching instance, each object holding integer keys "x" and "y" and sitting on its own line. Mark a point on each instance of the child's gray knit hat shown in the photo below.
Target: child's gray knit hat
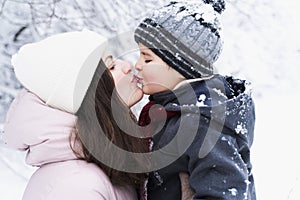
{"x": 185, "y": 34}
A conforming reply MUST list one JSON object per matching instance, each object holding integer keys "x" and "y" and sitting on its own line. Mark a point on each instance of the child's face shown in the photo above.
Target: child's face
{"x": 154, "y": 74}
{"x": 125, "y": 81}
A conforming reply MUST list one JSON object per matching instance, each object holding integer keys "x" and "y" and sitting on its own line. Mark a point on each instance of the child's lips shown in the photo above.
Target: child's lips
{"x": 136, "y": 79}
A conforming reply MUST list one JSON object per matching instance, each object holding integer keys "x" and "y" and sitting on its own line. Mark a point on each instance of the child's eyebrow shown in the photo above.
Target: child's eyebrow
{"x": 145, "y": 53}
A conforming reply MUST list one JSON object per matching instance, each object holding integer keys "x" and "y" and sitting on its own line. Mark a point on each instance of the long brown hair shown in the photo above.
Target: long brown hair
{"x": 97, "y": 102}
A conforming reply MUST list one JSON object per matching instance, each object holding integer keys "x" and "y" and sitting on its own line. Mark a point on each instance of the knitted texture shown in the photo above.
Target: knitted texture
{"x": 60, "y": 68}
{"x": 186, "y": 35}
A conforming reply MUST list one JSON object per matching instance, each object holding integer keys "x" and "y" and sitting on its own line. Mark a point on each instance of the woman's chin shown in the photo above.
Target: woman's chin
{"x": 135, "y": 97}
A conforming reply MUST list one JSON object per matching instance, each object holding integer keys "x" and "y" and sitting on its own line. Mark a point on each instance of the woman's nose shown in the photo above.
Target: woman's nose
{"x": 126, "y": 67}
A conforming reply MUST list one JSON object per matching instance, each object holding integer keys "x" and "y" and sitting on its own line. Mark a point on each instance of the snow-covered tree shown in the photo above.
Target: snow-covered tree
{"x": 260, "y": 35}
{"x": 261, "y": 44}
{"x": 24, "y": 21}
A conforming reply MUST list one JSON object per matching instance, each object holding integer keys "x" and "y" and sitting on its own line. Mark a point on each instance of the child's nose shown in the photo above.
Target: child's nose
{"x": 138, "y": 66}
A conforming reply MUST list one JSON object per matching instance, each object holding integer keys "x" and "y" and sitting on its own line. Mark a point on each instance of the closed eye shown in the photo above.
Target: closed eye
{"x": 147, "y": 61}
{"x": 112, "y": 67}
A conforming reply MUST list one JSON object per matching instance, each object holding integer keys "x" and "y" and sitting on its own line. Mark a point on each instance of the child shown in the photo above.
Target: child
{"x": 202, "y": 123}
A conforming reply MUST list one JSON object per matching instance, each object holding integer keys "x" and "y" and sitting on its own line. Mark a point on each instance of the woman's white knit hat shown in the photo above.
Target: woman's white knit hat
{"x": 60, "y": 68}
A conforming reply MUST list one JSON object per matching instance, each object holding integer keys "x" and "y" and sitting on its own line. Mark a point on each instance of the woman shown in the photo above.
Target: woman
{"x": 64, "y": 111}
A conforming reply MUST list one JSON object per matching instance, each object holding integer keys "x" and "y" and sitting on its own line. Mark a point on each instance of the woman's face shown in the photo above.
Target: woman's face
{"x": 125, "y": 81}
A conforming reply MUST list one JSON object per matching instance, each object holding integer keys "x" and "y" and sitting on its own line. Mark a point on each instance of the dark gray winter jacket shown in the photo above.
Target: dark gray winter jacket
{"x": 209, "y": 138}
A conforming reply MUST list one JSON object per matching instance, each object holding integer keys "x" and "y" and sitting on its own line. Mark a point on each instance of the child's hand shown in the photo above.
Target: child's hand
{"x": 186, "y": 190}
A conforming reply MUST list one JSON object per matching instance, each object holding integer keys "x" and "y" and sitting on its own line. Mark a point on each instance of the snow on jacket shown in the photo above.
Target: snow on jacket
{"x": 209, "y": 138}
{"x": 44, "y": 133}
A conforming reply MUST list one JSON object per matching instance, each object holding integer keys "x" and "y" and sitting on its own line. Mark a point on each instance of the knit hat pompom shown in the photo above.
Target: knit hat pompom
{"x": 187, "y": 35}
{"x": 218, "y": 5}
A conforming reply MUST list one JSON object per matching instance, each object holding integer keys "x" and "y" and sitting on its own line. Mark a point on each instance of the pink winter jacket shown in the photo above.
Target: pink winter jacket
{"x": 44, "y": 132}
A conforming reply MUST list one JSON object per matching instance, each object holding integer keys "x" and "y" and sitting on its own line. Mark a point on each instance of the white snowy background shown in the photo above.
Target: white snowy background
{"x": 262, "y": 44}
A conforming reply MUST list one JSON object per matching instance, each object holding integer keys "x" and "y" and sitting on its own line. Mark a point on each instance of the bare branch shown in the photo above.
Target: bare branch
{"x": 234, "y": 5}
{"x": 18, "y": 33}
{"x": 2, "y": 7}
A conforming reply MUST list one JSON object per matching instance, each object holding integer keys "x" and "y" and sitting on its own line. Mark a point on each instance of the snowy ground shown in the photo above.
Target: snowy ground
{"x": 264, "y": 47}
{"x": 275, "y": 151}
{"x": 14, "y": 174}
